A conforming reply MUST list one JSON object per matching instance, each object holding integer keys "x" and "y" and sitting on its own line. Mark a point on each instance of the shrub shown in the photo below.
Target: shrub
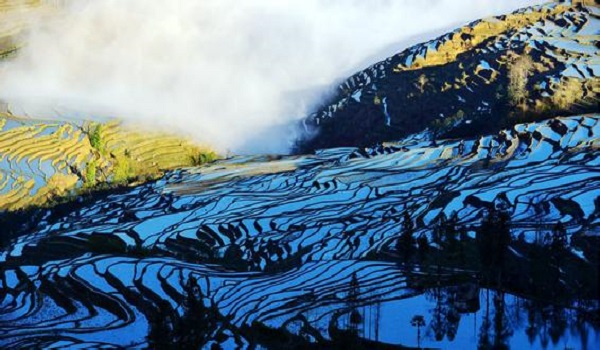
{"x": 122, "y": 169}
{"x": 568, "y": 93}
{"x": 90, "y": 174}
{"x": 203, "y": 158}
{"x": 95, "y": 137}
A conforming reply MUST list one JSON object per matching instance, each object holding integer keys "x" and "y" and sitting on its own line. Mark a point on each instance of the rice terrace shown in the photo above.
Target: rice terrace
{"x": 299, "y": 174}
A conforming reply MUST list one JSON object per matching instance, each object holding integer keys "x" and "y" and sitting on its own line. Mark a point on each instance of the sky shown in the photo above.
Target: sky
{"x": 231, "y": 74}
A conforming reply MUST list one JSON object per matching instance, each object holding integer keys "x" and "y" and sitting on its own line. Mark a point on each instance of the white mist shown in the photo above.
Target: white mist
{"x": 230, "y": 73}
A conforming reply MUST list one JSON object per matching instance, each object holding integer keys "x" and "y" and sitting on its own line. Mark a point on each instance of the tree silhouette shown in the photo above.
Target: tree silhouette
{"x": 194, "y": 323}
{"x": 452, "y": 314}
{"x": 502, "y": 330}
{"x": 558, "y": 324}
{"x": 437, "y": 322}
{"x": 423, "y": 246}
{"x": 558, "y": 243}
{"x": 493, "y": 239}
{"x": 418, "y": 321}
{"x": 439, "y": 229}
{"x": 160, "y": 332}
{"x": 445, "y": 315}
{"x": 406, "y": 241}
{"x": 450, "y": 229}
{"x": 450, "y": 234}
{"x": 190, "y": 330}
{"x": 355, "y": 316}
{"x": 486, "y": 325}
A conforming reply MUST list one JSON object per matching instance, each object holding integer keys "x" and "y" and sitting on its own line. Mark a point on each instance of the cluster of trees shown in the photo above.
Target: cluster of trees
{"x": 169, "y": 330}
{"x": 446, "y": 234}
{"x": 492, "y": 240}
{"x": 568, "y": 95}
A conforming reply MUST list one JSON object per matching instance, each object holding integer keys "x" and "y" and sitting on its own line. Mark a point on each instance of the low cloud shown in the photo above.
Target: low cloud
{"x": 232, "y": 74}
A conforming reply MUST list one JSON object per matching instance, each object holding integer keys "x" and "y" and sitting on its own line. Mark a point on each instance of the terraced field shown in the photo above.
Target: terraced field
{"x": 462, "y": 83}
{"x": 478, "y": 224}
{"x": 15, "y": 17}
{"x": 299, "y": 245}
{"x": 41, "y": 160}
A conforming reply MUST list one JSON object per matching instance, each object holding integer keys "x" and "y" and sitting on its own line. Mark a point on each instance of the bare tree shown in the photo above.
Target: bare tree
{"x": 418, "y": 321}
{"x": 519, "y": 69}
{"x": 422, "y": 82}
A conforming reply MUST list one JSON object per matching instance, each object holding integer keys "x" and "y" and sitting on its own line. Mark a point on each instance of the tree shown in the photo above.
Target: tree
{"x": 558, "y": 243}
{"x": 450, "y": 229}
{"x": 440, "y": 228}
{"x": 502, "y": 328}
{"x": 559, "y": 238}
{"x": 406, "y": 241}
{"x": 197, "y": 322}
{"x": 519, "y": 69}
{"x": 437, "y": 323}
{"x": 558, "y": 324}
{"x": 486, "y": 326}
{"x": 484, "y": 242}
{"x": 568, "y": 92}
{"x": 160, "y": 331}
{"x": 504, "y": 236}
{"x": 192, "y": 329}
{"x": 353, "y": 293}
{"x": 423, "y": 246}
{"x": 90, "y": 173}
{"x": 422, "y": 82}
{"x": 201, "y": 158}
{"x": 94, "y": 134}
{"x": 418, "y": 321}
{"x": 437, "y": 126}
{"x": 493, "y": 238}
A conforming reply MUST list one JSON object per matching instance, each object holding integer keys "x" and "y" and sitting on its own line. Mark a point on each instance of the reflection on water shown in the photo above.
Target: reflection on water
{"x": 467, "y": 317}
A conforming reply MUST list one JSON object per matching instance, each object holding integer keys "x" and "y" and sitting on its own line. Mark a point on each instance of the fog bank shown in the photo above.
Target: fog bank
{"x": 232, "y": 74}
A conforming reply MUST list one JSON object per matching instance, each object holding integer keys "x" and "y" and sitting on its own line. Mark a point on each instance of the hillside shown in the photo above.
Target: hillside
{"x": 43, "y": 160}
{"x": 530, "y": 65}
{"x": 450, "y": 199}
{"x": 295, "y": 222}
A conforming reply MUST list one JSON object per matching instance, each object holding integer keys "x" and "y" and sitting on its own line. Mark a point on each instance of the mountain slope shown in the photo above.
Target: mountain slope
{"x": 530, "y": 65}
{"x": 303, "y": 226}
{"x": 489, "y": 234}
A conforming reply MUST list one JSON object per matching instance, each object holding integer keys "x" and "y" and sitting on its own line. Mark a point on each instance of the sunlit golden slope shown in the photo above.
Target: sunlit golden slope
{"x": 40, "y": 160}
{"x": 529, "y": 65}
